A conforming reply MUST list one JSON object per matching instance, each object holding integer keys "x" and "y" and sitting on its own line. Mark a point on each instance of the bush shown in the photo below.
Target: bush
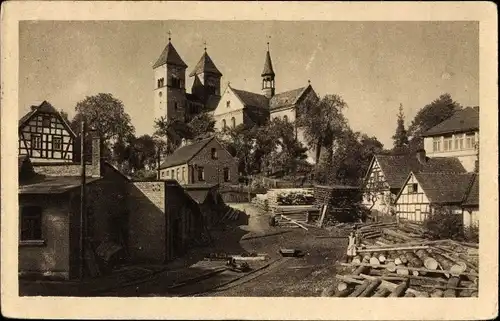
{"x": 442, "y": 224}
{"x": 471, "y": 234}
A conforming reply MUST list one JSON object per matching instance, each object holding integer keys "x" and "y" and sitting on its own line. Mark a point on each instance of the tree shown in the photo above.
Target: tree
{"x": 429, "y": 116}
{"x": 323, "y": 122}
{"x": 401, "y": 136}
{"x": 173, "y": 130}
{"x": 202, "y": 124}
{"x": 106, "y": 116}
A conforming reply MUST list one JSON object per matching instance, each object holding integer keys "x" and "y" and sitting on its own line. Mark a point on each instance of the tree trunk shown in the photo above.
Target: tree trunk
{"x": 370, "y": 288}
{"x": 360, "y": 288}
{"x": 382, "y": 293}
{"x": 400, "y": 289}
{"x": 453, "y": 283}
{"x": 429, "y": 262}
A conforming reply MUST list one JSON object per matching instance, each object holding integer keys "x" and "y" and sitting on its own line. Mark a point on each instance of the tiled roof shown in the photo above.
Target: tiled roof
{"x": 472, "y": 197}
{"x": 205, "y": 65}
{"x": 286, "y": 98}
{"x": 52, "y": 184}
{"x": 185, "y": 153}
{"x": 268, "y": 66}
{"x": 444, "y": 188}
{"x": 396, "y": 168}
{"x": 461, "y": 121}
{"x": 169, "y": 56}
{"x": 250, "y": 99}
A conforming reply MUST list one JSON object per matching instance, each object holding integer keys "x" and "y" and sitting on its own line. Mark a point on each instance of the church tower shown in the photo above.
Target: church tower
{"x": 207, "y": 78}
{"x": 268, "y": 86}
{"x": 170, "y": 79}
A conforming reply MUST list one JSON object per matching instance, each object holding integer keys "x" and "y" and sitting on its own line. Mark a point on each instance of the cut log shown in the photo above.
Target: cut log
{"x": 345, "y": 293}
{"x": 451, "y": 291}
{"x": 402, "y": 257}
{"x": 389, "y": 285}
{"x": 437, "y": 293}
{"x": 402, "y": 270}
{"x": 328, "y": 291}
{"x": 382, "y": 292}
{"x": 342, "y": 286}
{"x": 366, "y": 258}
{"x": 356, "y": 259}
{"x": 361, "y": 269}
{"x": 370, "y": 289}
{"x": 400, "y": 289}
{"x": 374, "y": 260}
{"x": 359, "y": 289}
{"x": 384, "y": 266}
{"x": 398, "y": 235}
{"x": 398, "y": 261}
{"x": 409, "y": 295}
{"x": 382, "y": 257}
{"x": 391, "y": 266}
{"x": 394, "y": 248}
{"x": 428, "y": 261}
{"x": 347, "y": 279}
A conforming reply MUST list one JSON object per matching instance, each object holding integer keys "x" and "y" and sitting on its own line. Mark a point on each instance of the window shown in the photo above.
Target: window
{"x": 162, "y": 174}
{"x": 233, "y": 122}
{"x": 436, "y": 144}
{"x": 172, "y": 174}
{"x": 175, "y": 82}
{"x": 201, "y": 174}
{"x": 224, "y": 123}
{"x": 413, "y": 188}
{"x": 470, "y": 141}
{"x": 177, "y": 174}
{"x": 214, "y": 153}
{"x": 36, "y": 141}
{"x": 176, "y": 105}
{"x": 226, "y": 174}
{"x": 160, "y": 82}
{"x": 228, "y": 103}
{"x": 46, "y": 121}
{"x": 31, "y": 223}
{"x": 448, "y": 143}
{"x": 183, "y": 173}
{"x": 459, "y": 142}
{"x": 57, "y": 143}
{"x": 285, "y": 118}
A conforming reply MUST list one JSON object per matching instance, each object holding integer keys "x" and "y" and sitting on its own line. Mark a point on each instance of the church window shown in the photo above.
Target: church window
{"x": 175, "y": 82}
{"x": 224, "y": 123}
{"x": 233, "y": 122}
{"x": 228, "y": 103}
{"x": 160, "y": 94}
{"x": 160, "y": 82}
{"x": 285, "y": 118}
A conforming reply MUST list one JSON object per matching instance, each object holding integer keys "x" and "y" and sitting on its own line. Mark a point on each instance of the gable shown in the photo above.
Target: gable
{"x": 185, "y": 153}
{"x": 235, "y": 104}
{"x": 375, "y": 175}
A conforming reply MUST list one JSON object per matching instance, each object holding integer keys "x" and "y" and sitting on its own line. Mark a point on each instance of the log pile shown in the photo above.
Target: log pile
{"x": 396, "y": 260}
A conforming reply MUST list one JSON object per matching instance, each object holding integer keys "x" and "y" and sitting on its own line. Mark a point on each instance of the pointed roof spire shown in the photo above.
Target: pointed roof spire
{"x": 205, "y": 65}
{"x": 268, "y": 65}
{"x": 169, "y": 56}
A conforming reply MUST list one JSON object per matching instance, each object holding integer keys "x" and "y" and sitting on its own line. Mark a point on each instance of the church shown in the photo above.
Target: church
{"x": 229, "y": 108}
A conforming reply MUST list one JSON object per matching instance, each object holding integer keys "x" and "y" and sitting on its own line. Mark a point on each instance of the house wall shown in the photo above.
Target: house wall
{"x": 166, "y": 173}
{"x": 147, "y": 221}
{"x": 281, "y": 113}
{"x": 63, "y": 169}
{"x": 413, "y": 206}
{"x": 376, "y": 188}
{"x": 467, "y": 156}
{"x": 53, "y": 257}
{"x": 471, "y": 216}
{"x": 225, "y": 112}
{"x": 214, "y": 168}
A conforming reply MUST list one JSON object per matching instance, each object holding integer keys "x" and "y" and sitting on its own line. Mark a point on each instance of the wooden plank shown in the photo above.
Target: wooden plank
{"x": 406, "y": 248}
{"x": 295, "y": 222}
{"x": 322, "y": 218}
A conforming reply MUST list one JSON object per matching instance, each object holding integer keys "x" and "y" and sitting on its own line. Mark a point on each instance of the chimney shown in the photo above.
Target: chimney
{"x": 422, "y": 159}
{"x": 96, "y": 154}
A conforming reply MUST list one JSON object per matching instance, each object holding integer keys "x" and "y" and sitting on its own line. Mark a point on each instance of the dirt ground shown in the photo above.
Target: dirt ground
{"x": 277, "y": 276}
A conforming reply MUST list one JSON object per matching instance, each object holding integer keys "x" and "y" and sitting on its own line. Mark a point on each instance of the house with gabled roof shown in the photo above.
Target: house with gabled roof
{"x": 457, "y": 136}
{"x": 386, "y": 176}
{"x": 423, "y": 193}
{"x": 45, "y": 136}
{"x": 202, "y": 161}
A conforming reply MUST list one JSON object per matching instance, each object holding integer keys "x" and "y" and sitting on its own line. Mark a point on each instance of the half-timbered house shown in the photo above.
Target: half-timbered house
{"x": 423, "y": 193}
{"x": 387, "y": 173}
{"x": 45, "y": 136}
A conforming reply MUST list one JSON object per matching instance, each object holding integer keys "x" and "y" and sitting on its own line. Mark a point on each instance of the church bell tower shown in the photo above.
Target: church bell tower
{"x": 268, "y": 85}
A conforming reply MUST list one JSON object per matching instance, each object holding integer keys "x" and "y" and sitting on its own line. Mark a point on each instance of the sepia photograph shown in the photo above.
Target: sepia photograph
{"x": 249, "y": 158}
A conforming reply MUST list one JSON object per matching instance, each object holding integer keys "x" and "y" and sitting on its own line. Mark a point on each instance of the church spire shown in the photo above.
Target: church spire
{"x": 268, "y": 76}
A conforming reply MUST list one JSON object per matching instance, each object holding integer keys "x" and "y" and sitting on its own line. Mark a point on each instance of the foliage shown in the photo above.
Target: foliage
{"x": 443, "y": 224}
{"x": 202, "y": 124}
{"x": 323, "y": 122}
{"x": 401, "y": 136}
{"x": 429, "y": 116}
{"x": 173, "y": 130}
{"x": 144, "y": 174}
{"x": 471, "y": 234}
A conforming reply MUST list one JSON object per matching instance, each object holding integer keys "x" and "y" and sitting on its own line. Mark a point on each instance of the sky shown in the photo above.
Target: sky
{"x": 373, "y": 66}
